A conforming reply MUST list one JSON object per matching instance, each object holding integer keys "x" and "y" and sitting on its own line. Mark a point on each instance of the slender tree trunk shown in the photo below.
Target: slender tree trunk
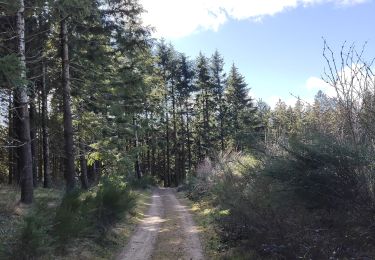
{"x": 15, "y": 142}
{"x": 147, "y": 141}
{"x": 222, "y": 125}
{"x": 97, "y": 170}
{"x": 183, "y": 139}
{"x": 206, "y": 130}
{"x": 137, "y": 167}
{"x": 10, "y": 136}
{"x": 23, "y": 126}
{"x": 69, "y": 173}
{"x": 153, "y": 160}
{"x": 46, "y": 169}
{"x": 152, "y": 141}
{"x": 34, "y": 143}
{"x": 40, "y": 139}
{"x": 175, "y": 144}
{"x": 168, "y": 179}
{"x": 83, "y": 164}
{"x": 90, "y": 174}
{"x": 188, "y": 138}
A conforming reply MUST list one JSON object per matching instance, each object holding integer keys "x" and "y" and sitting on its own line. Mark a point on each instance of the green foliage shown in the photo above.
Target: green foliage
{"x": 196, "y": 188}
{"x": 303, "y": 203}
{"x": 143, "y": 183}
{"x": 112, "y": 200}
{"x": 75, "y": 8}
{"x": 9, "y": 6}
{"x": 320, "y": 171}
{"x": 10, "y": 68}
{"x": 82, "y": 213}
{"x": 51, "y": 227}
{"x": 72, "y": 219}
{"x": 34, "y": 238}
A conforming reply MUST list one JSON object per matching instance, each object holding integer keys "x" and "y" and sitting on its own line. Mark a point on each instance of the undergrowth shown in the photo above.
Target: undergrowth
{"x": 314, "y": 200}
{"x": 55, "y": 224}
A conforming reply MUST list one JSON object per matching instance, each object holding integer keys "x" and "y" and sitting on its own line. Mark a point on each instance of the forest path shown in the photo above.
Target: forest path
{"x": 166, "y": 232}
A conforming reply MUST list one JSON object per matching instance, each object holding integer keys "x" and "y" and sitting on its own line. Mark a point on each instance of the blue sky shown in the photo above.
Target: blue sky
{"x": 277, "y": 44}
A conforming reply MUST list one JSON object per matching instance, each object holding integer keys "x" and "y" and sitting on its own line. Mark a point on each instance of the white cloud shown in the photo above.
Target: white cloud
{"x": 179, "y": 18}
{"x": 273, "y": 100}
{"x": 315, "y": 84}
{"x": 355, "y": 79}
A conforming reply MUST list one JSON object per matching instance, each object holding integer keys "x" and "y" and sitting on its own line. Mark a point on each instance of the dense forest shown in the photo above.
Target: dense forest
{"x": 92, "y": 104}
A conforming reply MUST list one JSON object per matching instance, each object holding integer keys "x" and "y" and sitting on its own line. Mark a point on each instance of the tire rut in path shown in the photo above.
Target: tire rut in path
{"x": 167, "y": 232}
{"x": 141, "y": 244}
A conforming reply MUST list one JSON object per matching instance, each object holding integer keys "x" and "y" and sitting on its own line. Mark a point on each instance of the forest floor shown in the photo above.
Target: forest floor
{"x": 166, "y": 232}
{"x": 93, "y": 247}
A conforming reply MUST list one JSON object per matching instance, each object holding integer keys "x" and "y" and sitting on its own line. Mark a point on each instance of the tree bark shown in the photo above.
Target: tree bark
{"x": 34, "y": 143}
{"x": 10, "y": 136}
{"x": 83, "y": 164}
{"x": 188, "y": 137}
{"x": 46, "y": 163}
{"x": 137, "y": 167}
{"x": 23, "y": 122}
{"x": 167, "y": 182}
{"x": 15, "y": 142}
{"x": 69, "y": 172}
{"x": 175, "y": 137}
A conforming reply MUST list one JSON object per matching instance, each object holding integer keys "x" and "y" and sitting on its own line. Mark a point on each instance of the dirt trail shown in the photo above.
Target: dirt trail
{"x": 167, "y": 232}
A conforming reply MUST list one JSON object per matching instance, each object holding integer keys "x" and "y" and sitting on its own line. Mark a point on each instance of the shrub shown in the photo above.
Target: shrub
{"x": 81, "y": 214}
{"x": 34, "y": 234}
{"x": 320, "y": 172}
{"x": 199, "y": 184}
{"x": 143, "y": 183}
{"x": 72, "y": 217}
{"x": 111, "y": 201}
{"x": 34, "y": 240}
{"x": 310, "y": 202}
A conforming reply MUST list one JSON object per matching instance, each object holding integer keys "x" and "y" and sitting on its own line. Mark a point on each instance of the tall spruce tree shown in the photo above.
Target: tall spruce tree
{"x": 240, "y": 107}
{"x": 218, "y": 83}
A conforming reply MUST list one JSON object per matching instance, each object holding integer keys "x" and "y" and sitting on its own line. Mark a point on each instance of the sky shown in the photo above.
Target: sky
{"x": 276, "y": 44}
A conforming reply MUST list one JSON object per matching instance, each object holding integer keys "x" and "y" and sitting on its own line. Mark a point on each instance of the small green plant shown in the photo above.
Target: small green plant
{"x": 34, "y": 240}
{"x": 35, "y": 237}
{"x": 72, "y": 218}
{"x": 111, "y": 201}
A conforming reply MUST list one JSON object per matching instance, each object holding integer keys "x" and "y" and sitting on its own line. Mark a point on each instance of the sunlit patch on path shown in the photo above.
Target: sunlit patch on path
{"x": 166, "y": 232}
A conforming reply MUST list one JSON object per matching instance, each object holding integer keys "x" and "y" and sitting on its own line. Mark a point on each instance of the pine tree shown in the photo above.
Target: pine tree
{"x": 240, "y": 109}
{"x": 218, "y": 83}
{"x": 204, "y": 108}
{"x": 23, "y": 122}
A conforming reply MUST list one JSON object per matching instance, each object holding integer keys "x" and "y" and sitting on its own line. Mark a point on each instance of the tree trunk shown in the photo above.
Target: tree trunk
{"x": 167, "y": 182}
{"x": 15, "y": 142}
{"x": 46, "y": 169}
{"x": 188, "y": 137}
{"x": 69, "y": 173}
{"x": 34, "y": 143}
{"x": 175, "y": 137}
{"x": 10, "y": 136}
{"x": 90, "y": 174}
{"x": 23, "y": 126}
{"x": 137, "y": 167}
{"x": 183, "y": 155}
{"x": 206, "y": 131}
{"x": 222, "y": 125}
{"x": 83, "y": 164}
